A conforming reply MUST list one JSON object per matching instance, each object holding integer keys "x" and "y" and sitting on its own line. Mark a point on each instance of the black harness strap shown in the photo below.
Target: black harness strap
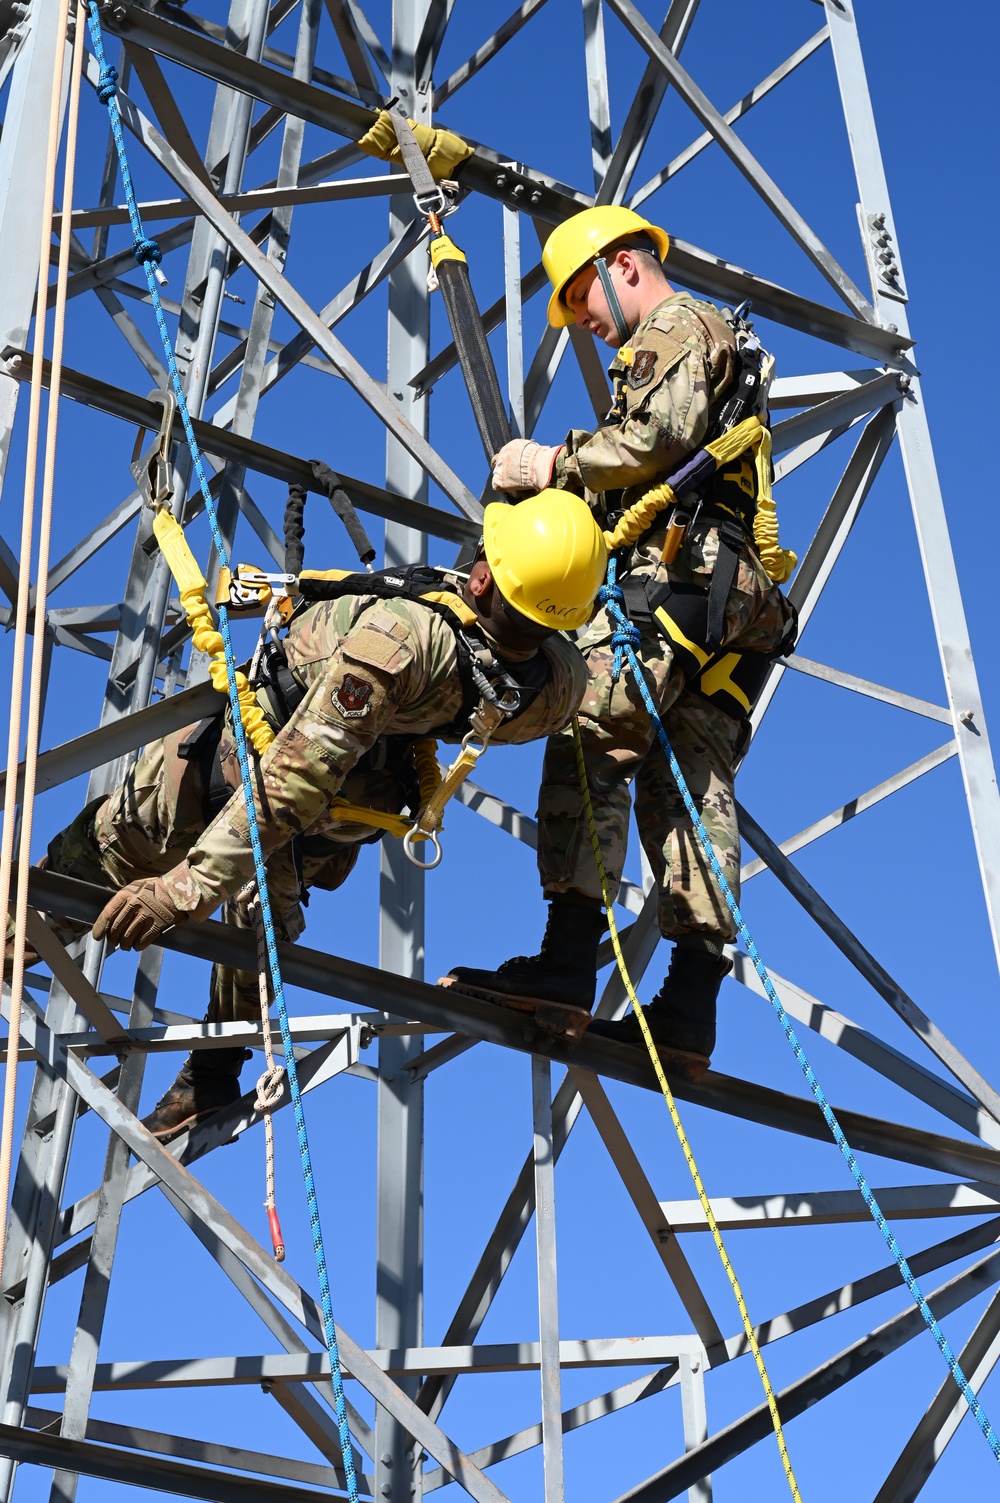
{"x": 731, "y": 541}
{"x": 202, "y": 746}
{"x": 419, "y": 583}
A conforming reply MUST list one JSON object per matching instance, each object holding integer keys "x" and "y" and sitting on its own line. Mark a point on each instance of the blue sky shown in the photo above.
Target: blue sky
{"x": 903, "y": 875}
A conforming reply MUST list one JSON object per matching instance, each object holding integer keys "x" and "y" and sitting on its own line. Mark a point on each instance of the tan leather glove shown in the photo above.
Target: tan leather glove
{"x": 137, "y": 915}
{"x": 522, "y": 465}
{"x": 442, "y": 149}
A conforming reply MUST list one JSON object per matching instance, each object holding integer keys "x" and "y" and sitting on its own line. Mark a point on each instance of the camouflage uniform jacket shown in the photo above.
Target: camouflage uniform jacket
{"x": 669, "y": 382}
{"x": 370, "y": 668}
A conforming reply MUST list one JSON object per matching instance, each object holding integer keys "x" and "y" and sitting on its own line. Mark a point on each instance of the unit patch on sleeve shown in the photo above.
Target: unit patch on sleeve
{"x": 353, "y": 695}
{"x": 643, "y": 366}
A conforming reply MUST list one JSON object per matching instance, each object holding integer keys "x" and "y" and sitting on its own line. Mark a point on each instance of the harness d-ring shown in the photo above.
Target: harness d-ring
{"x": 412, "y": 837}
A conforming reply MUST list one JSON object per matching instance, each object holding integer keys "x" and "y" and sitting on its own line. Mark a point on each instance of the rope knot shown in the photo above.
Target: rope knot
{"x": 625, "y": 639}
{"x": 107, "y": 84}
{"x": 145, "y": 250}
{"x": 269, "y": 1089}
{"x": 610, "y": 594}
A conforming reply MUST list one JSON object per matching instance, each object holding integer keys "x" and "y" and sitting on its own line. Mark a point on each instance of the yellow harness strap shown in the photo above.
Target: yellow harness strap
{"x": 750, "y": 435}
{"x": 358, "y": 814}
{"x": 192, "y": 585}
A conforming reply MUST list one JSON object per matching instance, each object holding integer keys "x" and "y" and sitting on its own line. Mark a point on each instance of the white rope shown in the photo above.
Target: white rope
{"x": 24, "y": 571}
{"x": 270, "y": 1086}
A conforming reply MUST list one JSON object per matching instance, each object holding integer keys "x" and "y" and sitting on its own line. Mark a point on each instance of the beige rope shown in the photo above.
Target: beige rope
{"x": 24, "y": 572}
{"x": 270, "y": 1086}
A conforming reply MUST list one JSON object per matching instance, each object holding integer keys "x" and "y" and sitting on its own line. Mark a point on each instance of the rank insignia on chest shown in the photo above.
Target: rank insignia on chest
{"x": 643, "y": 366}
{"x": 353, "y": 695}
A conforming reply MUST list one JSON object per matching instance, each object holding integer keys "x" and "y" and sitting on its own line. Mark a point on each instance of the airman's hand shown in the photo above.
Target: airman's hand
{"x": 137, "y": 915}
{"x": 524, "y": 466}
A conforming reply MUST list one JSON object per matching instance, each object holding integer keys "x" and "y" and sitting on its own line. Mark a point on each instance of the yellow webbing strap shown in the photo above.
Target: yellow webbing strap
{"x": 668, "y": 1096}
{"x": 432, "y": 812}
{"x": 335, "y": 574}
{"x": 357, "y": 814}
{"x": 192, "y": 585}
{"x": 750, "y": 434}
{"x": 454, "y": 603}
{"x": 429, "y": 778}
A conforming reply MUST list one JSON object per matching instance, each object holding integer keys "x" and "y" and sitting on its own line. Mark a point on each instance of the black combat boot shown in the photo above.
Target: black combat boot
{"x": 565, "y": 968}
{"x": 681, "y": 1016}
{"x": 208, "y": 1080}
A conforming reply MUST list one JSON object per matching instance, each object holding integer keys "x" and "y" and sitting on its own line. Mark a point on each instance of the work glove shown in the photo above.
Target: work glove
{"x": 442, "y": 149}
{"x": 522, "y": 465}
{"x": 137, "y": 915}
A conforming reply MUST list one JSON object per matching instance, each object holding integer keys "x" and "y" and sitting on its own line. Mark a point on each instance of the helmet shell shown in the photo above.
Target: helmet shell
{"x": 548, "y": 557}
{"x": 579, "y": 240}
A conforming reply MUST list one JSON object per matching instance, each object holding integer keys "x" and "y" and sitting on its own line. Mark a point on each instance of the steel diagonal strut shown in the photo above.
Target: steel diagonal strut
{"x": 875, "y": 974}
{"x": 814, "y": 1386}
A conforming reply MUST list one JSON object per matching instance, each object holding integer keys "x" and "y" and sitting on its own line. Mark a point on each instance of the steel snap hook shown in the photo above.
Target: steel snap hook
{"x": 153, "y": 472}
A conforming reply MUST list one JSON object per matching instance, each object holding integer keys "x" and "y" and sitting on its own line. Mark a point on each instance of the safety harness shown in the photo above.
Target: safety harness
{"x": 727, "y": 482}
{"x": 493, "y": 692}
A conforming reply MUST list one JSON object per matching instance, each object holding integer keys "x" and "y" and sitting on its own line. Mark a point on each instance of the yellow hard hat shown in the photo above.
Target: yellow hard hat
{"x": 548, "y": 557}
{"x": 579, "y": 240}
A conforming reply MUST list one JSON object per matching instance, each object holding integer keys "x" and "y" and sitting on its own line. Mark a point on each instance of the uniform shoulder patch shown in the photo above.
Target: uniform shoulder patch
{"x": 353, "y": 695}
{"x": 642, "y": 368}
{"x": 374, "y": 647}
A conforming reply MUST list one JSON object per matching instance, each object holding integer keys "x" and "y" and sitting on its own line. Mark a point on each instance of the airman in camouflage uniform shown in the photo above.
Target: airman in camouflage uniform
{"x": 670, "y": 381}
{"x": 378, "y": 674}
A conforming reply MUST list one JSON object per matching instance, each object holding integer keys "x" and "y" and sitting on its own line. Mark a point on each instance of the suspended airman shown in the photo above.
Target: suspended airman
{"x": 359, "y": 680}
{"x": 703, "y": 591}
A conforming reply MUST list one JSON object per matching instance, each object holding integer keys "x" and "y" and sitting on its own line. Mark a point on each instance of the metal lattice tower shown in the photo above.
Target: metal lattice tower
{"x": 235, "y": 84}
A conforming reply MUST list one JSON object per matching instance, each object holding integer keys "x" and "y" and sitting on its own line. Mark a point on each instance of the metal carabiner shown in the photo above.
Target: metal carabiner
{"x": 153, "y": 472}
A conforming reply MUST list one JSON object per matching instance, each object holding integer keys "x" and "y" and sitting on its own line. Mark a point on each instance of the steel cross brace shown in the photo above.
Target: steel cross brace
{"x": 367, "y": 986}
{"x": 178, "y": 1182}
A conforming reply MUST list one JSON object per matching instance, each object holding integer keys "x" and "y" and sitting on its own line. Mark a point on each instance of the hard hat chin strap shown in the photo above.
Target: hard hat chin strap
{"x": 624, "y": 332}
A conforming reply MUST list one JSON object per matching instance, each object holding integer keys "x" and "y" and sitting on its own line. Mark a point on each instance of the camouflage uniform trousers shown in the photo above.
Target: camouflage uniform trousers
{"x": 150, "y": 823}
{"x": 621, "y": 748}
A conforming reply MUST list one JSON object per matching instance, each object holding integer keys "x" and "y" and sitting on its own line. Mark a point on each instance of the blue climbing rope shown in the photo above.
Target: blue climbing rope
{"x": 625, "y": 642}
{"x": 147, "y": 253}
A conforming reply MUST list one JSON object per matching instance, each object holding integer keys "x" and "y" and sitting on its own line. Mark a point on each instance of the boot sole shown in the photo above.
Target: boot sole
{"x": 557, "y": 1019}
{"x": 682, "y": 1063}
{"x": 166, "y": 1135}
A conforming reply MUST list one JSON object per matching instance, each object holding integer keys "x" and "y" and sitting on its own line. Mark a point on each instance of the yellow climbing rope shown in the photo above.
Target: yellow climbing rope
{"x": 749, "y": 436}
{"x": 192, "y": 584}
{"x": 668, "y": 1096}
